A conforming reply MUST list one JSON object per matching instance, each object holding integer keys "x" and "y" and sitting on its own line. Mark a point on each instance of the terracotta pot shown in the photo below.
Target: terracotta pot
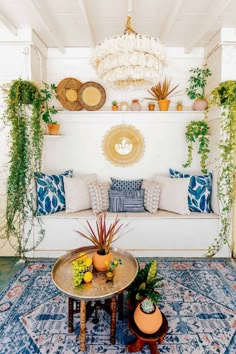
{"x": 179, "y": 108}
{"x": 115, "y": 108}
{"x": 200, "y": 104}
{"x": 99, "y": 261}
{"x": 148, "y": 322}
{"x": 53, "y": 129}
{"x": 151, "y": 107}
{"x": 164, "y": 105}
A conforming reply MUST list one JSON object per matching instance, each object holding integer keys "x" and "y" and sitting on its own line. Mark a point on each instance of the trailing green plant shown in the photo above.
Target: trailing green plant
{"x": 198, "y": 130}
{"x": 48, "y": 92}
{"x": 145, "y": 284}
{"x": 224, "y": 96}
{"x": 197, "y": 82}
{"x": 25, "y": 153}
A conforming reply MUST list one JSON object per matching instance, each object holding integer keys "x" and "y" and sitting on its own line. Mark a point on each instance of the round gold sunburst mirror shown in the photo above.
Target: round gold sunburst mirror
{"x": 123, "y": 145}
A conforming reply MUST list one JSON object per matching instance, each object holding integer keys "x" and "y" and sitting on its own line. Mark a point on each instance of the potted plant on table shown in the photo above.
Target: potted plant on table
{"x": 162, "y": 92}
{"x": 196, "y": 89}
{"x": 48, "y": 92}
{"x": 102, "y": 238}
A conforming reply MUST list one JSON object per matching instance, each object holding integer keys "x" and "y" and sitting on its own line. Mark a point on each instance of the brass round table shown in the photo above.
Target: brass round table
{"x": 97, "y": 290}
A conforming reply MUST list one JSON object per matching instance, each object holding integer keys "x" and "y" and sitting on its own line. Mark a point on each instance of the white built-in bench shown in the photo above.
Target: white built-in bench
{"x": 163, "y": 234}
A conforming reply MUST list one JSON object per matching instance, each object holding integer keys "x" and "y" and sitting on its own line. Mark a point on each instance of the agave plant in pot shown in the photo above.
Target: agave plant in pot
{"x": 102, "y": 237}
{"x": 162, "y": 92}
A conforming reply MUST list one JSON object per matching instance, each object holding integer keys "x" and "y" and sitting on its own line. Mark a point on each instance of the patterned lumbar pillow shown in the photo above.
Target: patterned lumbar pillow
{"x": 174, "y": 194}
{"x": 199, "y": 191}
{"x": 77, "y": 193}
{"x": 50, "y": 192}
{"x": 130, "y": 185}
{"x": 99, "y": 196}
{"x": 151, "y": 196}
{"x": 130, "y": 201}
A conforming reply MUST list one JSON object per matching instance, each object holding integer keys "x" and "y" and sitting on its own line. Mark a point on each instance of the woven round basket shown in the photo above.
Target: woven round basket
{"x": 67, "y": 93}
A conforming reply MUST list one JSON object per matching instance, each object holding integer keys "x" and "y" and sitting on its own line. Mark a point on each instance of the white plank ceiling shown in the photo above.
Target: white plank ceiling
{"x": 84, "y": 23}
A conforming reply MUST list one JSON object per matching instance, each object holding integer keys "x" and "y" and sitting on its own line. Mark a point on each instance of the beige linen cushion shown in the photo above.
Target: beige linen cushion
{"x": 76, "y": 192}
{"x": 99, "y": 197}
{"x": 174, "y": 194}
{"x": 151, "y": 195}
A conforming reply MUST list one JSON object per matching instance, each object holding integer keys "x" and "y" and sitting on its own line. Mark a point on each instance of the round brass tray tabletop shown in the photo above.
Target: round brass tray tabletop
{"x": 99, "y": 288}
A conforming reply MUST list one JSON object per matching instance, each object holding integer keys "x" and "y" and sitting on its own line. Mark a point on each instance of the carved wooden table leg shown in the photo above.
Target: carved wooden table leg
{"x": 136, "y": 345}
{"x": 82, "y": 325}
{"x": 113, "y": 320}
{"x": 121, "y": 305}
{"x": 70, "y": 315}
{"x": 153, "y": 348}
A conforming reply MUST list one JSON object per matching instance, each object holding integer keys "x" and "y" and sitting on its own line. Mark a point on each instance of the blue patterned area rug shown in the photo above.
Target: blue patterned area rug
{"x": 198, "y": 299}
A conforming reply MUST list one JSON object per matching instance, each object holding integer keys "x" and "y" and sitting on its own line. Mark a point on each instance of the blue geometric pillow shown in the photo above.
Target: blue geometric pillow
{"x": 199, "y": 191}
{"x": 130, "y": 185}
{"x": 50, "y": 192}
{"x": 130, "y": 201}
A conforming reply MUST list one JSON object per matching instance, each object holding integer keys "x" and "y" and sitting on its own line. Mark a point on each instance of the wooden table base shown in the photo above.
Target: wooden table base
{"x": 86, "y": 310}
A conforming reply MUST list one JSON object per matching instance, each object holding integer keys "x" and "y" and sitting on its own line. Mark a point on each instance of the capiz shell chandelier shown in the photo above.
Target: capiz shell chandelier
{"x": 129, "y": 60}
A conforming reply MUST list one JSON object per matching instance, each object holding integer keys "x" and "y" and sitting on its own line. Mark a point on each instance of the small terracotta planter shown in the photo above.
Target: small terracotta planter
{"x": 164, "y": 105}
{"x": 115, "y": 108}
{"x": 179, "y": 108}
{"x": 148, "y": 323}
{"x": 53, "y": 129}
{"x": 151, "y": 106}
{"x": 99, "y": 261}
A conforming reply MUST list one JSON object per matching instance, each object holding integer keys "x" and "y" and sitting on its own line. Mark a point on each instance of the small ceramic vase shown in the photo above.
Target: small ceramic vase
{"x": 135, "y": 106}
{"x": 124, "y": 106}
{"x": 200, "y": 104}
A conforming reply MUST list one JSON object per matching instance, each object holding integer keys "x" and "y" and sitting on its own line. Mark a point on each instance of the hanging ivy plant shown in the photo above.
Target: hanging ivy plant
{"x": 25, "y": 153}
{"x": 224, "y": 96}
{"x": 197, "y": 131}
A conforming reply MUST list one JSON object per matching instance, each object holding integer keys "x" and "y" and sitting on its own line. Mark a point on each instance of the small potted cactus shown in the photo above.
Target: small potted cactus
{"x": 148, "y": 317}
{"x": 114, "y": 106}
{"x": 179, "y": 105}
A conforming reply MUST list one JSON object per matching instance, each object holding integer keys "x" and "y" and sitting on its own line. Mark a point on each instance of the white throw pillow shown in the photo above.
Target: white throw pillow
{"x": 76, "y": 192}
{"x": 174, "y": 194}
{"x": 151, "y": 195}
{"x": 99, "y": 197}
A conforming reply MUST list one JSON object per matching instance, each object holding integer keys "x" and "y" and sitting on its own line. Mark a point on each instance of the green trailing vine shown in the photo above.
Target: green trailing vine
{"x": 224, "y": 96}
{"x": 25, "y": 154}
{"x": 197, "y": 130}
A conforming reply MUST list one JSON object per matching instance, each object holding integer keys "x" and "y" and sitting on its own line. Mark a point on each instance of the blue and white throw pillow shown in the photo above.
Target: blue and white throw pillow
{"x": 130, "y": 185}
{"x": 130, "y": 201}
{"x": 199, "y": 191}
{"x": 50, "y": 192}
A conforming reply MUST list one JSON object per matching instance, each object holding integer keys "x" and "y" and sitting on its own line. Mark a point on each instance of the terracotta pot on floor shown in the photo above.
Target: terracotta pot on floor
{"x": 148, "y": 322}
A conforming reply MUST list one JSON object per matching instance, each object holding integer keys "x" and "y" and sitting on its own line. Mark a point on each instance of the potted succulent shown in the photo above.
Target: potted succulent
{"x": 151, "y": 106}
{"x": 148, "y": 317}
{"x": 48, "y": 92}
{"x": 102, "y": 238}
{"x": 114, "y": 106}
{"x": 179, "y": 105}
{"x": 162, "y": 92}
{"x": 196, "y": 89}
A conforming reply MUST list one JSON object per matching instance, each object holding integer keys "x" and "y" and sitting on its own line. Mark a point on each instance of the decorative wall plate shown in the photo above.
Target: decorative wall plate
{"x": 123, "y": 145}
{"x": 92, "y": 96}
{"x": 67, "y": 93}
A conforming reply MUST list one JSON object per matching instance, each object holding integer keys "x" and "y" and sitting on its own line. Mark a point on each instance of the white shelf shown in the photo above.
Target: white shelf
{"x": 47, "y": 136}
